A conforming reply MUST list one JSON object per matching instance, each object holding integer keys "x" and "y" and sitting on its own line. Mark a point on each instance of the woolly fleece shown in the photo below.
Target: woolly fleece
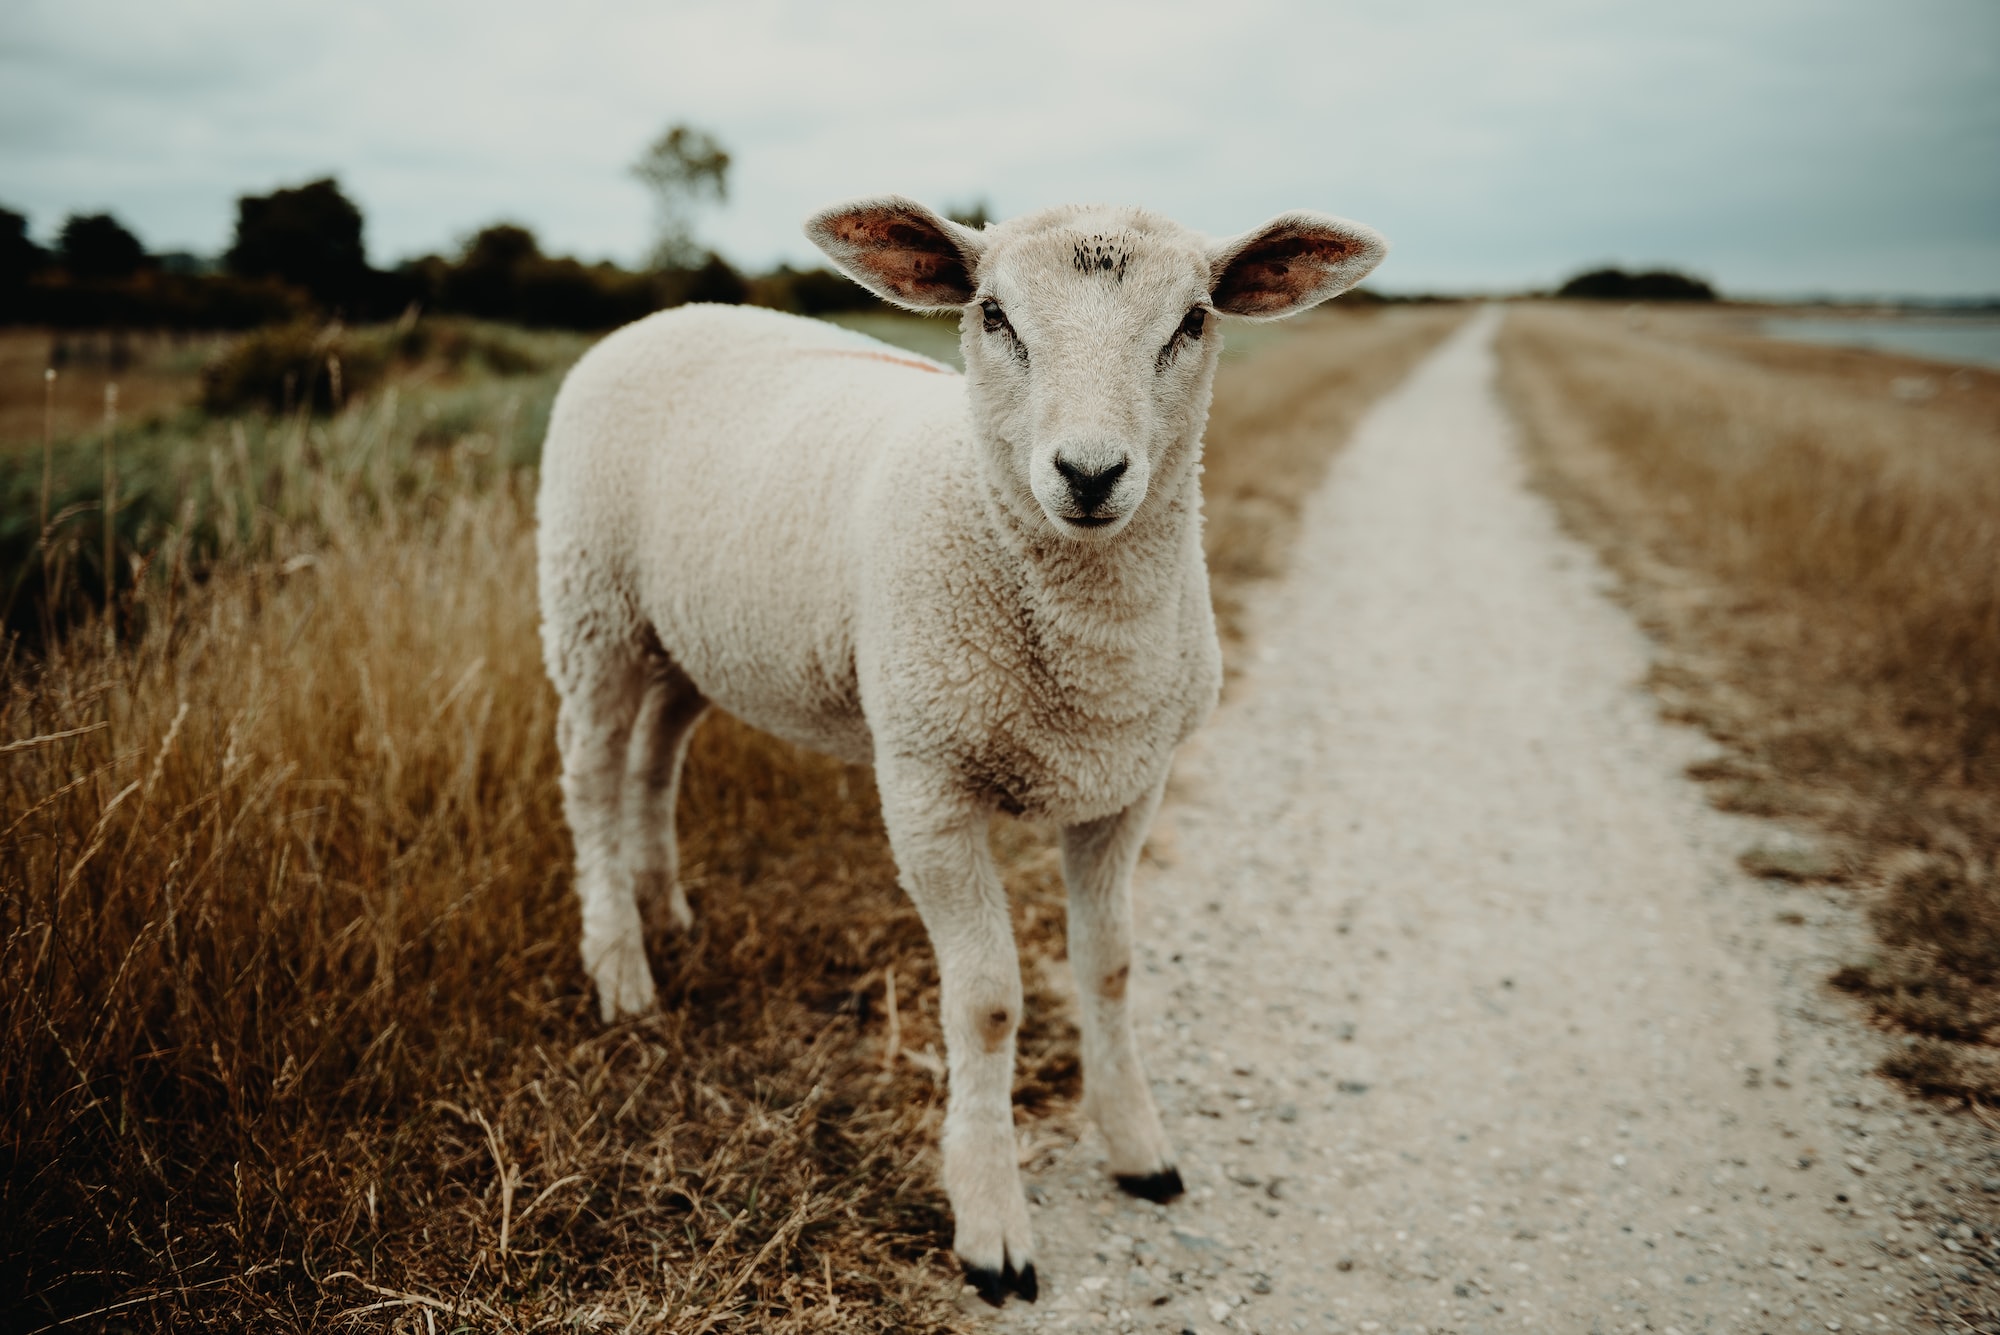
{"x": 989, "y": 586}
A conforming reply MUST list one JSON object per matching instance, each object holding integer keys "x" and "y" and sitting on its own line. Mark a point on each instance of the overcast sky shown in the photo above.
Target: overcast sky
{"x": 1775, "y": 146}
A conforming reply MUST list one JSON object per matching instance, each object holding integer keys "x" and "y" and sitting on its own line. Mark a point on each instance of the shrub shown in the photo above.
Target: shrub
{"x": 461, "y": 344}
{"x": 1654, "y": 285}
{"x": 292, "y": 365}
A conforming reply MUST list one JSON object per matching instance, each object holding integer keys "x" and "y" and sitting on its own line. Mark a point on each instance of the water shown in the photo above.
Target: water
{"x": 1971, "y": 340}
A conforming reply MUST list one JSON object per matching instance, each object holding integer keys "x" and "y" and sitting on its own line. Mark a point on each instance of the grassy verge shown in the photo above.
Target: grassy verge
{"x": 295, "y": 1034}
{"x": 1818, "y": 553}
{"x": 447, "y": 397}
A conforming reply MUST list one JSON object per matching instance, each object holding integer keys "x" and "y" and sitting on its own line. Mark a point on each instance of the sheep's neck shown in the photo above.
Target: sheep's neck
{"x": 1103, "y": 613}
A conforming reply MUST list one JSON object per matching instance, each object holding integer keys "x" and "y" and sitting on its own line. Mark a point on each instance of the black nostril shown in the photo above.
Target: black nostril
{"x": 1086, "y": 476}
{"x": 1090, "y": 486}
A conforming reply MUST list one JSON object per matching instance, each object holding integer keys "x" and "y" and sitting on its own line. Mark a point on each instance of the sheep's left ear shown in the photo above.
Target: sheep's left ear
{"x": 1294, "y": 261}
{"x": 900, "y": 251}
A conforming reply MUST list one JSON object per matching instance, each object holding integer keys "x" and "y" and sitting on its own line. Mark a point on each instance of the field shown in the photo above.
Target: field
{"x": 156, "y": 374}
{"x": 1813, "y": 535}
{"x": 295, "y": 1027}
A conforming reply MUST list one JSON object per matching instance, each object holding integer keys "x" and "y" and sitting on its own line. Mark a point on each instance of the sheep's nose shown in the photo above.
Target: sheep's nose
{"x": 1090, "y": 484}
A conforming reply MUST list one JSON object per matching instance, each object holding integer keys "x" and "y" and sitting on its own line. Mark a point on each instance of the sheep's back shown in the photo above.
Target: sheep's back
{"x": 707, "y": 469}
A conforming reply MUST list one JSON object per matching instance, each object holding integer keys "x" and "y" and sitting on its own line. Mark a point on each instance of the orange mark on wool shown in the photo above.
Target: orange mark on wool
{"x": 995, "y": 1027}
{"x": 1112, "y": 986}
{"x": 890, "y": 358}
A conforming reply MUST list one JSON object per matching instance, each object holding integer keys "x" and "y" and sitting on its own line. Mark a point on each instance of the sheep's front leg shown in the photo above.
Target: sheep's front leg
{"x": 947, "y": 869}
{"x": 1098, "y": 858}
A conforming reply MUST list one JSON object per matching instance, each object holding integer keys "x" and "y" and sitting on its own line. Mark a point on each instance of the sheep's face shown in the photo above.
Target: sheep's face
{"x": 1091, "y": 334}
{"x": 1090, "y": 346}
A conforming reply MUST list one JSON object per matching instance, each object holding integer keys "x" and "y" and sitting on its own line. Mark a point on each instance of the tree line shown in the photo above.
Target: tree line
{"x": 298, "y": 253}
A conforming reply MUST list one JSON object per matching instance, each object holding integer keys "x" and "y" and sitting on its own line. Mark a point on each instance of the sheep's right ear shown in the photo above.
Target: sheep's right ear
{"x": 900, "y": 251}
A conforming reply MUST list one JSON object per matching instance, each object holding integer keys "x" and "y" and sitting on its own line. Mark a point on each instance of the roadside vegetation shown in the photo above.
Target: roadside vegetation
{"x": 1813, "y": 535}
{"x": 294, "y": 1026}
{"x": 206, "y": 460}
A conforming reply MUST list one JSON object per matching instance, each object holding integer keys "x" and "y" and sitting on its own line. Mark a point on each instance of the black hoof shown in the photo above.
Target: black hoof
{"x": 1158, "y": 1188}
{"x": 995, "y": 1285}
{"x": 991, "y": 1285}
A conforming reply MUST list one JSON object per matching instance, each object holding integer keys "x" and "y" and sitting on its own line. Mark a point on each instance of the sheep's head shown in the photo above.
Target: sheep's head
{"x": 1090, "y": 333}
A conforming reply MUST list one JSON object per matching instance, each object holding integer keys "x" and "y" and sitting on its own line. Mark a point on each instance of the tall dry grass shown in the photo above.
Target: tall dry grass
{"x": 289, "y": 984}
{"x": 1821, "y": 560}
{"x": 295, "y": 1031}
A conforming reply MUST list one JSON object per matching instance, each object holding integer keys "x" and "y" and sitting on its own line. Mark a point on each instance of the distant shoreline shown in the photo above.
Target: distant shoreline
{"x": 1967, "y": 339}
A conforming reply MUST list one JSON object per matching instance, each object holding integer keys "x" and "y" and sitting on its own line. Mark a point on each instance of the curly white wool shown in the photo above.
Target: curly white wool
{"x": 989, "y": 586}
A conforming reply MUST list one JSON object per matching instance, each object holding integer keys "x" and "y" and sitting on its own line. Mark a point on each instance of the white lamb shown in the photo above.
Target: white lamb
{"x": 988, "y": 586}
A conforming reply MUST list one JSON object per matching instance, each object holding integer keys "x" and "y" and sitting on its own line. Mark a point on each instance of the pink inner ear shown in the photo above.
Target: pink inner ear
{"x": 1267, "y": 275}
{"x": 905, "y": 254}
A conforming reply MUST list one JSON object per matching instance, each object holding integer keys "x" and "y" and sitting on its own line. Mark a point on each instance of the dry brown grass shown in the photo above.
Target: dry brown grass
{"x": 155, "y": 374}
{"x": 1821, "y": 562}
{"x": 296, "y": 1035}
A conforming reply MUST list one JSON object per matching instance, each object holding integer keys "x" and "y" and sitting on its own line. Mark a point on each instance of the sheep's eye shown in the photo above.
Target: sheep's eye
{"x": 1192, "y": 326}
{"x": 997, "y": 323}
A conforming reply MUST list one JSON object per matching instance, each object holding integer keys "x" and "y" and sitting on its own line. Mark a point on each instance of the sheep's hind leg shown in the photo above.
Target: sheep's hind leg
{"x": 669, "y": 709}
{"x": 601, "y": 691}
{"x": 1098, "y": 858}
{"x": 948, "y": 872}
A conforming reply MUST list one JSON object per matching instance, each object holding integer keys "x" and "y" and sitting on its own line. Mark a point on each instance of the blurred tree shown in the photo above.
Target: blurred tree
{"x": 1617, "y": 285}
{"x": 684, "y": 168}
{"x": 502, "y": 274}
{"x": 308, "y": 235}
{"x": 501, "y": 246}
{"x": 97, "y": 245}
{"x": 974, "y": 215}
{"x": 489, "y": 271}
{"x": 19, "y": 255}
{"x": 716, "y": 282}
{"x": 108, "y": 259}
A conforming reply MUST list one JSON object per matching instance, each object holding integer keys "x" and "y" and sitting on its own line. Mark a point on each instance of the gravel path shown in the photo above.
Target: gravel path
{"x": 1461, "y": 1016}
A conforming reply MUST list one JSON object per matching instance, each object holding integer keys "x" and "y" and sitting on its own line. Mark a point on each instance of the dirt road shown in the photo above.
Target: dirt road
{"x": 1462, "y": 1017}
